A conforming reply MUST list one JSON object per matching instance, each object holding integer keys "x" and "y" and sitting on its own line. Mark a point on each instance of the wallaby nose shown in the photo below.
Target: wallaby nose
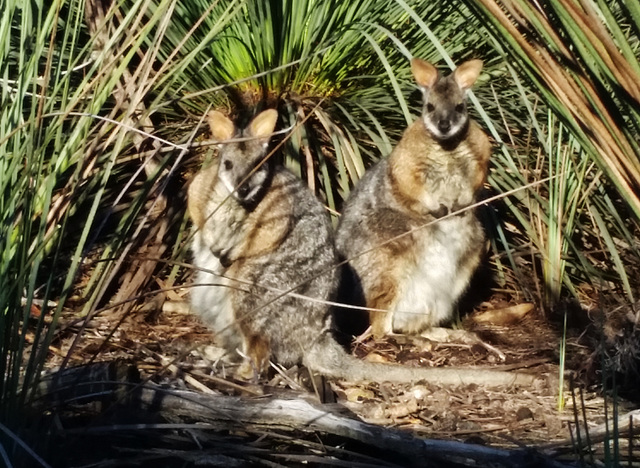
{"x": 243, "y": 191}
{"x": 444, "y": 125}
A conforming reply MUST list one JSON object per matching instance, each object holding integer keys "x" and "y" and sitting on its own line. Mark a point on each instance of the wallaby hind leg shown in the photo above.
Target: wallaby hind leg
{"x": 383, "y": 294}
{"x": 257, "y": 354}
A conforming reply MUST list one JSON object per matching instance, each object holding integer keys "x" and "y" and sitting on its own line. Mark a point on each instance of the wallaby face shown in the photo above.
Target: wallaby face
{"x": 242, "y": 169}
{"x": 445, "y": 110}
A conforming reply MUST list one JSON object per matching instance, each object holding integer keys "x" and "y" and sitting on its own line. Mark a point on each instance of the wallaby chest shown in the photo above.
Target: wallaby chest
{"x": 429, "y": 178}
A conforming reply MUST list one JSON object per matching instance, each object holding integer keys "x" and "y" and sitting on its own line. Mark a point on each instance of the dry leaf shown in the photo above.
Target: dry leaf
{"x": 375, "y": 357}
{"x": 357, "y": 394}
{"x": 505, "y": 316}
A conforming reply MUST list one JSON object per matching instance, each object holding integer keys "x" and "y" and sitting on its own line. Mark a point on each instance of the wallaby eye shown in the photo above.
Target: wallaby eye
{"x": 430, "y": 107}
{"x": 228, "y": 165}
{"x": 460, "y": 108}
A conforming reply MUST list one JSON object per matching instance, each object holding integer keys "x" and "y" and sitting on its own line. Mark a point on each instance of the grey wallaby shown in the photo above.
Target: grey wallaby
{"x": 409, "y": 265}
{"x": 267, "y": 266}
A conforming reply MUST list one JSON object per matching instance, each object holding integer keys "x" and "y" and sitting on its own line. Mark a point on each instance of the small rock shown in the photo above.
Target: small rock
{"x": 523, "y": 413}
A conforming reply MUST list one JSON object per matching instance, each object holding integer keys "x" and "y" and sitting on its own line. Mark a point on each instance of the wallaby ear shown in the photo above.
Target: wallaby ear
{"x": 424, "y": 73}
{"x": 467, "y": 73}
{"x": 221, "y": 127}
{"x": 264, "y": 123}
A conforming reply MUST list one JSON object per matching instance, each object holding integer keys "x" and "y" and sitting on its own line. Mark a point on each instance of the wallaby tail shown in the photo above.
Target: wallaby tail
{"x": 328, "y": 358}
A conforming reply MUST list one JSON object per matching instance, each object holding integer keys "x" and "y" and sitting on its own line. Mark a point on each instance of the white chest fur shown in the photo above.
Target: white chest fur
{"x": 434, "y": 282}
{"x": 211, "y": 294}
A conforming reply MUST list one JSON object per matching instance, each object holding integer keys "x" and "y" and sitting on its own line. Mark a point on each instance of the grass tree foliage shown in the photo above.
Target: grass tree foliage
{"x": 339, "y": 70}
{"x": 57, "y": 163}
{"x": 100, "y": 102}
{"x": 583, "y": 61}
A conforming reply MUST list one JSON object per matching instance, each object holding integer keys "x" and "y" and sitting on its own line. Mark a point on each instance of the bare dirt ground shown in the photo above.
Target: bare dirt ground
{"x": 166, "y": 348}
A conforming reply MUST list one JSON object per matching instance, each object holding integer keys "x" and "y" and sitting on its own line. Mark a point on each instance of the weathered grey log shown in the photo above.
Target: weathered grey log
{"x": 118, "y": 384}
{"x": 302, "y": 415}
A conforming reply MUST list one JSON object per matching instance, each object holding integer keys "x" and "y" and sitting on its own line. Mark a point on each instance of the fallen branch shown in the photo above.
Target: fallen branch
{"x": 627, "y": 425}
{"x": 302, "y": 415}
{"x": 118, "y": 388}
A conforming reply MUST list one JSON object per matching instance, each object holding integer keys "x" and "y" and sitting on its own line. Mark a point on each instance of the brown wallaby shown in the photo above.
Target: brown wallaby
{"x": 267, "y": 266}
{"x": 412, "y": 274}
